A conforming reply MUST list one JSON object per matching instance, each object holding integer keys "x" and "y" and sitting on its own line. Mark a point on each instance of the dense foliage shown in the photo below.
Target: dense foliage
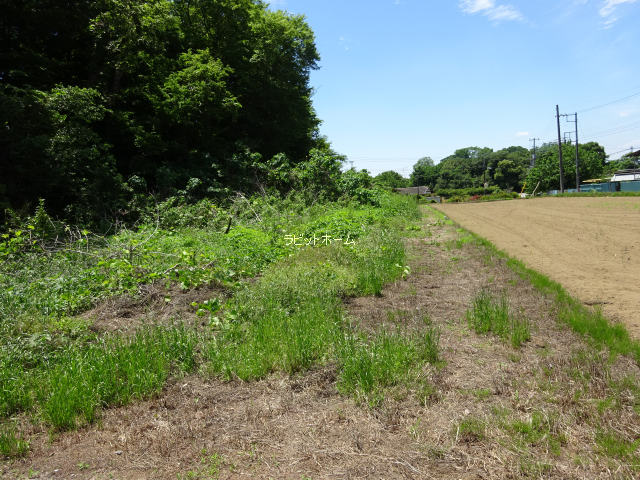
{"x": 546, "y": 171}
{"x": 466, "y": 172}
{"x": 472, "y": 167}
{"x": 101, "y": 100}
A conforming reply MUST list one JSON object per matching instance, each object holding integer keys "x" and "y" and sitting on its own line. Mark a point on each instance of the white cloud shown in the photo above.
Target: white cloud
{"x": 608, "y": 11}
{"x": 504, "y": 12}
{"x": 475, "y": 6}
{"x": 522, "y": 134}
{"x": 488, "y": 8}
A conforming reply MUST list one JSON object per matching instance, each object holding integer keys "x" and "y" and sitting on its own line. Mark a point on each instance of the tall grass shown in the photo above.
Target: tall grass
{"x": 289, "y": 320}
{"x": 84, "y": 378}
{"x": 369, "y": 365}
{"x": 11, "y": 443}
{"x": 293, "y": 318}
{"x": 492, "y": 315}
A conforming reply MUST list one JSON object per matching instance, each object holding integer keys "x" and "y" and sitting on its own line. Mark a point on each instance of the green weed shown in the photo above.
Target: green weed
{"x": 530, "y": 468}
{"x": 612, "y": 444}
{"x": 587, "y": 321}
{"x": 11, "y": 444}
{"x": 470, "y": 430}
{"x": 370, "y": 365}
{"x": 539, "y": 429}
{"x": 491, "y": 315}
{"x": 111, "y": 371}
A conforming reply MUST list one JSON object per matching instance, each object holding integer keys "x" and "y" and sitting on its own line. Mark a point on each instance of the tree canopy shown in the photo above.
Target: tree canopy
{"x": 168, "y": 93}
{"x": 510, "y": 168}
{"x": 391, "y": 179}
{"x": 546, "y": 171}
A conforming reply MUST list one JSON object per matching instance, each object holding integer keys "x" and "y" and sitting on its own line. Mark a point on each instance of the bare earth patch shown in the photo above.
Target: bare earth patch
{"x": 155, "y": 304}
{"x": 540, "y": 411}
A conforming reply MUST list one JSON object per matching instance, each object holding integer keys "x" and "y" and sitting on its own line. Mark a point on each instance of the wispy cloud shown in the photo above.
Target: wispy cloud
{"x": 475, "y": 6}
{"x": 608, "y": 11}
{"x": 345, "y": 43}
{"x": 522, "y": 134}
{"x": 489, "y": 8}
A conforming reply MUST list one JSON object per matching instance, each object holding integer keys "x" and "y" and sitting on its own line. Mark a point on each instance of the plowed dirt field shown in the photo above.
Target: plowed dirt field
{"x": 589, "y": 245}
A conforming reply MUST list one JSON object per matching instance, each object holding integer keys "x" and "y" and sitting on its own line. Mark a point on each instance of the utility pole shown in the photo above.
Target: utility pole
{"x": 484, "y": 174}
{"x": 577, "y": 158}
{"x": 560, "y": 150}
{"x": 533, "y": 157}
{"x": 575, "y": 116}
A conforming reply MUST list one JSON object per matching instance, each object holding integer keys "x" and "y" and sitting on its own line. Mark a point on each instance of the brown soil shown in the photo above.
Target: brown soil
{"x": 589, "y": 245}
{"x": 154, "y": 304}
{"x": 300, "y": 427}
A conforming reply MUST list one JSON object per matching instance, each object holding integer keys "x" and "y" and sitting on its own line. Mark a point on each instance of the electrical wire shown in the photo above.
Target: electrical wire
{"x": 609, "y": 103}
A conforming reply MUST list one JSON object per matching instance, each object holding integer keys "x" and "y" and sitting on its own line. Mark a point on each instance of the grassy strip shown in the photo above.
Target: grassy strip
{"x": 12, "y": 445}
{"x": 292, "y": 319}
{"x": 588, "y": 322}
{"x": 39, "y": 291}
{"x": 42, "y": 285}
{"x": 370, "y": 365}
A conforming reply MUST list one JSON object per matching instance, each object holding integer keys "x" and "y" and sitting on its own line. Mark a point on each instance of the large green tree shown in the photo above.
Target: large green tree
{"x": 464, "y": 169}
{"x": 507, "y": 168}
{"x": 546, "y": 172}
{"x": 425, "y": 173}
{"x": 391, "y": 179}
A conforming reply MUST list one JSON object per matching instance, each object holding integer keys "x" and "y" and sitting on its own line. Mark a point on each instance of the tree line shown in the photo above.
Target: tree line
{"x": 509, "y": 168}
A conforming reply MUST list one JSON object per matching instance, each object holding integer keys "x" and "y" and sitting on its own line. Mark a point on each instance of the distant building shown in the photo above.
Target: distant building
{"x": 413, "y": 191}
{"x": 626, "y": 175}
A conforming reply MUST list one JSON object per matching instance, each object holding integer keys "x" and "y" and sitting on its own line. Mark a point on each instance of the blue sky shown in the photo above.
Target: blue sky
{"x": 403, "y": 79}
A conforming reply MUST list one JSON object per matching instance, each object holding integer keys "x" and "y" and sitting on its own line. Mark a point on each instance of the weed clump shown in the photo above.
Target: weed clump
{"x": 367, "y": 366}
{"x": 492, "y": 315}
{"x": 12, "y": 445}
{"x": 470, "y": 430}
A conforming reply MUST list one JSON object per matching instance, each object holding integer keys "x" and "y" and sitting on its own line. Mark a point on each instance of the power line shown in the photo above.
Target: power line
{"x": 609, "y": 103}
{"x": 619, "y": 151}
{"x": 614, "y": 130}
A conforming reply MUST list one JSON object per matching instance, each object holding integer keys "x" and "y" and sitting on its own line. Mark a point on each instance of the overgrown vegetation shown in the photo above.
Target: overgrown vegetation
{"x": 370, "y": 365}
{"x": 11, "y": 443}
{"x": 290, "y": 320}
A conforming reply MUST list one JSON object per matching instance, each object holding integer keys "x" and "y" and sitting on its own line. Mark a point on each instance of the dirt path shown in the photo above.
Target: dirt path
{"x": 589, "y": 245}
{"x": 494, "y": 411}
